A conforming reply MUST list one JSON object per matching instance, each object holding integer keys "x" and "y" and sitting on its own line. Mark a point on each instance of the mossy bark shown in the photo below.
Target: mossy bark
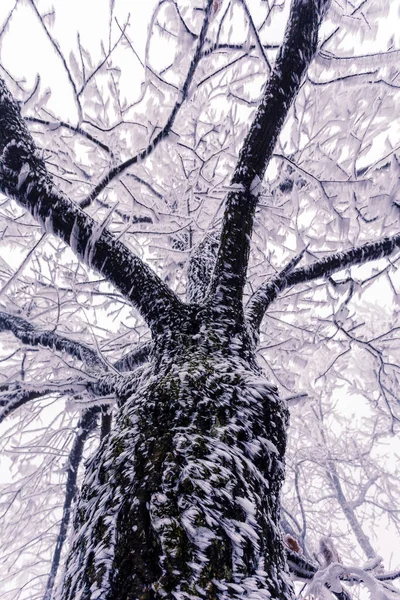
{"x": 182, "y": 498}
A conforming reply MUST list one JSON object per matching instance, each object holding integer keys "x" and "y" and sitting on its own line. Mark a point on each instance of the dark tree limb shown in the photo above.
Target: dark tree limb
{"x": 15, "y": 395}
{"x": 12, "y": 400}
{"x": 324, "y": 267}
{"x": 87, "y": 423}
{"x": 118, "y": 169}
{"x": 294, "y": 57}
{"x": 23, "y": 177}
{"x": 33, "y": 336}
{"x": 135, "y": 358}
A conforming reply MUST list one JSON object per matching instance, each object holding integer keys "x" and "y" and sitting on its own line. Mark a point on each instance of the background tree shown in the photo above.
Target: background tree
{"x": 183, "y": 492}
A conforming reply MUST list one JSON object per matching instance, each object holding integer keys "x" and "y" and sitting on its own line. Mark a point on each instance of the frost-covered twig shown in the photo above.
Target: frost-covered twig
{"x": 23, "y": 176}
{"x": 102, "y": 62}
{"x": 75, "y": 129}
{"x": 255, "y": 33}
{"x": 87, "y": 423}
{"x": 22, "y": 266}
{"x": 294, "y": 57}
{"x": 324, "y": 267}
{"x": 348, "y": 510}
{"x": 265, "y": 294}
{"x": 118, "y": 169}
{"x": 60, "y": 54}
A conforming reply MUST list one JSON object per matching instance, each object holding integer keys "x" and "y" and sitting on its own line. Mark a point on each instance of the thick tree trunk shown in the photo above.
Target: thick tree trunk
{"x": 182, "y": 498}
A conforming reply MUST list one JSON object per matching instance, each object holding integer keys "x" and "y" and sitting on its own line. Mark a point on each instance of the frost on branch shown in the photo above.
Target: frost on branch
{"x": 327, "y": 581}
{"x": 190, "y": 426}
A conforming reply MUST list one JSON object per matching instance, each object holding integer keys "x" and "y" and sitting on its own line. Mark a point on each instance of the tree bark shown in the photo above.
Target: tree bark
{"x": 182, "y": 498}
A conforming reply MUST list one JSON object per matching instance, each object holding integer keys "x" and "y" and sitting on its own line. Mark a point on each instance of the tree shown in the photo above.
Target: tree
{"x": 182, "y": 496}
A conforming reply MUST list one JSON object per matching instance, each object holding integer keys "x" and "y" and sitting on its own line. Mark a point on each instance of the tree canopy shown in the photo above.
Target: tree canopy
{"x": 242, "y": 156}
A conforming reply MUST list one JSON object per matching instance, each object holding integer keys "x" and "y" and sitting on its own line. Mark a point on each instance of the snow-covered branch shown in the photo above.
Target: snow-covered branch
{"x": 33, "y": 336}
{"x": 324, "y": 267}
{"x": 161, "y": 135}
{"x": 331, "y": 576}
{"x": 294, "y": 57}
{"x": 23, "y": 176}
{"x": 135, "y": 358}
{"x": 303, "y": 569}
{"x": 17, "y": 394}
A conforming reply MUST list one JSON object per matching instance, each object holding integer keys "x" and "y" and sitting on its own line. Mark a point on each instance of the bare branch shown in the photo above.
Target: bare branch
{"x": 77, "y": 129}
{"x": 255, "y": 33}
{"x": 8, "y": 19}
{"x": 60, "y": 54}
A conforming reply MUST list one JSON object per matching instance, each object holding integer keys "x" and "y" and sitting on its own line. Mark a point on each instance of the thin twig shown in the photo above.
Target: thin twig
{"x": 118, "y": 169}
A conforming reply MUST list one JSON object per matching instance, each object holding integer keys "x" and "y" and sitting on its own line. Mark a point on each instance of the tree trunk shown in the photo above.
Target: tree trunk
{"x": 182, "y": 498}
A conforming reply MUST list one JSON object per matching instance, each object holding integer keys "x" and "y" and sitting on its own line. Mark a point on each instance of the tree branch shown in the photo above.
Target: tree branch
{"x": 75, "y": 129}
{"x": 294, "y": 57}
{"x": 29, "y": 334}
{"x": 305, "y": 570}
{"x": 23, "y": 176}
{"x": 324, "y": 267}
{"x": 118, "y": 169}
{"x": 87, "y": 423}
{"x": 134, "y": 359}
{"x": 17, "y": 394}
{"x": 255, "y": 34}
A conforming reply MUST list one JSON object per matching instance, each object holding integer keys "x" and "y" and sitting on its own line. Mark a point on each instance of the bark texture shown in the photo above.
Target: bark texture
{"x": 182, "y": 498}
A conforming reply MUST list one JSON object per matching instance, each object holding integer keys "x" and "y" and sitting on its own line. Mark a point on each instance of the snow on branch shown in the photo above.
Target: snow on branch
{"x": 296, "y": 52}
{"x": 331, "y": 575}
{"x": 29, "y": 334}
{"x": 17, "y": 394}
{"x": 134, "y": 359}
{"x": 118, "y": 169}
{"x": 75, "y": 129}
{"x": 23, "y": 177}
{"x": 324, "y": 267}
{"x": 304, "y": 570}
